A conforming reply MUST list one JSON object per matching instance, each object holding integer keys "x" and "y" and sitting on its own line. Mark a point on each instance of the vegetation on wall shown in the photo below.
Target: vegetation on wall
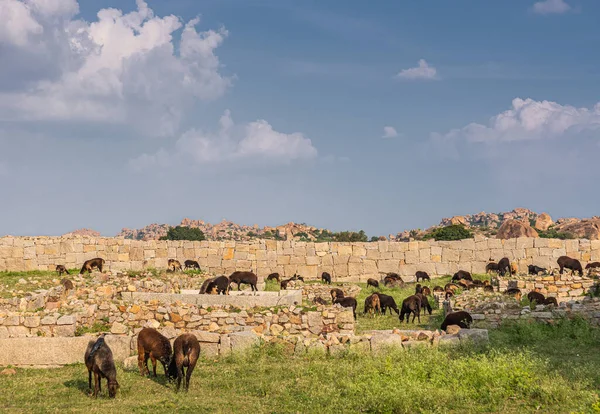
{"x": 452, "y": 232}
{"x": 184, "y": 233}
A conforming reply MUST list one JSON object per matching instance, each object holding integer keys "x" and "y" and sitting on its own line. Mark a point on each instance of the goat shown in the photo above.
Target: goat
{"x": 503, "y": 266}
{"x": 151, "y": 344}
{"x": 422, "y": 275}
{"x": 336, "y": 293}
{"x": 426, "y": 291}
{"x": 590, "y": 267}
{"x": 372, "y": 304}
{"x": 462, "y": 275}
{"x": 248, "y": 278}
{"x": 348, "y": 302}
{"x": 284, "y": 284}
{"x": 565, "y": 262}
{"x": 488, "y": 288}
{"x": 536, "y": 297}
{"x": 424, "y": 302}
{"x": 438, "y": 289}
{"x": 60, "y": 269}
{"x": 460, "y": 318}
{"x": 99, "y": 360}
{"x": 491, "y": 267}
{"x": 515, "y": 292}
{"x": 203, "y": 288}
{"x": 319, "y": 301}
{"x": 191, "y": 264}
{"x": 373, "y": 282}
{"x": 551, "y": 301}
{"x": 174, "y": 265}
{"x": 534, "y": 270}
{"x": 418, "y": 288}
{"x": 88, "y": 265}
{"x": 393, "y": 280}
{"x": 387, "y": 302}
{"x": 218, "y": 286}
{"x": 273, "y": 276}
{"x": 411, "y": 304}
{"x": 326, "y": 278}
{"x": 186, "y": 350}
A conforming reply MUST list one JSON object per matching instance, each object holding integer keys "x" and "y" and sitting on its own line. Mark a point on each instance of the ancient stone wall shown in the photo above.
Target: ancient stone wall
{"x": 345, "y": 261}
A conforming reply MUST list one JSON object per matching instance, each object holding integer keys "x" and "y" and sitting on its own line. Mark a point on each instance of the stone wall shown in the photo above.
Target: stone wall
{"x": 563, "y": 287}
{"x": 345, "y": 261}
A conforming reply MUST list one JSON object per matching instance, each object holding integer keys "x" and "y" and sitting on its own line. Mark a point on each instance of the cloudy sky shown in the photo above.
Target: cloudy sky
{"x": 382, "y": 116}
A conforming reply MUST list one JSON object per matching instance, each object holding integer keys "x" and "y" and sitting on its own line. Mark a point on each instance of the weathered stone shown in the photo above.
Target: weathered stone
{"x": 241, "y": 341}
{"x": 453, "y": 329}
{"x": 66, "y": 320}
{"x": 382, "y": 341}
{"x": 118, "y": 328}
{"x": 32, "y": 321}
{"x": 131, "y": 363}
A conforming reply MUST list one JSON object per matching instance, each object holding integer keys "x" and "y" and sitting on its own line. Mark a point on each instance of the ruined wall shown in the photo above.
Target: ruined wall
{"x": 345, "y": 261}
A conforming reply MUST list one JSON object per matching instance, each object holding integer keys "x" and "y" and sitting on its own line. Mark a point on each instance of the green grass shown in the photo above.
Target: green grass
{"x": 525, "y": 368}
{"x": 42, "y": 280}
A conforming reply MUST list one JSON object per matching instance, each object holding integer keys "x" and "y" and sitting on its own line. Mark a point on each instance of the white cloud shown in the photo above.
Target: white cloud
{"x": 119, "y": 69}
{"x": 389, "y": 132}
{"x": 422, "y": 71}
{"x": 530, "y": 120}
{"x": 551, "y": 7}
{"x": 255, "y": 141}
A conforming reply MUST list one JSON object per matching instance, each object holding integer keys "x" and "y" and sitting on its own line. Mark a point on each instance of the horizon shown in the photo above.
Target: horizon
{"x": 378, "y": 117}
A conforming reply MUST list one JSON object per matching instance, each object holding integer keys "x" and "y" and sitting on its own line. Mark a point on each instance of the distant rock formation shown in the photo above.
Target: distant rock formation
{"x": 83, "y": 232}
{"x": 543, "y": 222}
{"x": 515, "y": 228}
{"x": 580, "y": 228}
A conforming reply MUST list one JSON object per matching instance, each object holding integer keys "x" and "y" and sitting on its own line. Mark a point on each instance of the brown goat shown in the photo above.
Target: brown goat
{"x": 460, "y": 318}
{"x": 393, "y": 280}
{"x": 387, "y": 302}
{"x": 247, "y": 278}
{"x": 99, "y": 360}
{"x": 422, "y": 275}
{"x": 411, "y": 304}
{"x": 174, "y": 265}
{"x": 372, "y": 304}
{"x": 438, "y": 289}
{"x": 565, "y": 262}
{"x": 67, "y": 286}
{"x": 515, "y": 292}
{"x": 88, "y": 265}
{"x": 336, "y": 293}
{"x": 426, "y": 291}
{"x": 273, "y": 276}
{"x": 424, "y": 302}
{"x": 503, "y": 266}
{"x": 462, "y": 275}
{"x": 218, "y": 286}
{"x": 151, "y": 344}
{"x": 186, "y": 350}
{"x": 491, "y": 267}
{"x": 536, "y": 297}
{"x": 326, "y": 278}
{"x": 60, "y": 269}
{"x": 373, "y": 282}
{"x": 551, "y": 301}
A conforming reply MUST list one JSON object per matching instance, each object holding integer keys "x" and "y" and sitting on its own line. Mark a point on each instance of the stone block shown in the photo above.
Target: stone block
{"x": 242, "y": 341}
{"x": 381, "y": 342}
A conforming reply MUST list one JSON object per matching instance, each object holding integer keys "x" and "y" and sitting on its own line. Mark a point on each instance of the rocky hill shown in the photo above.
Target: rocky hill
{"x": 226, "y": 230}
{"x": 83, "y": 232}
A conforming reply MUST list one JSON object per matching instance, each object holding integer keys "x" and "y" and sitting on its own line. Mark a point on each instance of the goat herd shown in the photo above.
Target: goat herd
{"x": 178, "y": 362}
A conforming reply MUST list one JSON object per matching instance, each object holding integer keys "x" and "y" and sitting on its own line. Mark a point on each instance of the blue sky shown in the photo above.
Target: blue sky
{"x": 274, "y": 111}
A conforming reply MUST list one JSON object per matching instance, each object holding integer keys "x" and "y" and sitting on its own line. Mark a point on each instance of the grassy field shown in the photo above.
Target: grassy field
{"x": 525, "y": 368}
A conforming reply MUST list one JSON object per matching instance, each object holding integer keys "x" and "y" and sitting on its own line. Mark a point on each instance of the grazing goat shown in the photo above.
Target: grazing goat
{"x": 273, "y": 276}
{"x": 387, "y": 302}
{"x": 151, "y": 344}
{"x": 393, "y": 280}
{"x": 462, "y": 275}
{"x": 373, "y": 282}
{"x": 536, "y": 297}
{"x": 67, "y": 285}
{"x": 186, "y": 350}
{"x": 418, "y": 288}
{"x": 326, "y": 278}
{"x": 218, "y": 286}
{"x": 297, "y": 277}
{"x": 591, "y": 266}
{"x": 551, "y": 301}
{"x": 88, "y": 265}
{"x": 336, "y": 293}
{"x": 284, "y": 284}
{"x": 347, "y": 303}
{"x": 60, "y": 269}
{"x": 565, "y": 262}
{"x": 191, "y": 264}
{"x": 372, "y": 304}
{"x": 99, "y": 360}
{"x": 460, "y": 318}
{"x": 411, "y": 304}
{"x": 515, "y": 292}
{"x": 204, "y": 287}
{"x": 491, "y": 267}
{"x": 451, "y": 287}
{"x": 174, "y": 265}
{"x": 503, "y": 266}
{"x": 248, "y": 278}
{"x": 424, "y": 302}
{"x": 438, "y": 289}
{"x": 426, "y": 291}
{"x": 422, "y": 275}
{"x": 534, "y": 270}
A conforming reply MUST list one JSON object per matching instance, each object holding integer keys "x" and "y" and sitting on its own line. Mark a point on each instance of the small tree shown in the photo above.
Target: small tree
{"x": 452, "y": 232}
{"x": 184, "y": 233}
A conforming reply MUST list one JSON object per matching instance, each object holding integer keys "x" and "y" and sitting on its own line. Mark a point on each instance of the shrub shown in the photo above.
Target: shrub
{"x": 184, "y": 233}
{"x": 452, "y": 232}
{"x": 555, "y": 234}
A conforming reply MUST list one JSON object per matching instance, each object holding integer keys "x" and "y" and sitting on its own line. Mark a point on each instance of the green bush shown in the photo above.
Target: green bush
{"x": 452, "y": 232}
{"x": 184, "y": 233}
{"x": 555, "y": 234}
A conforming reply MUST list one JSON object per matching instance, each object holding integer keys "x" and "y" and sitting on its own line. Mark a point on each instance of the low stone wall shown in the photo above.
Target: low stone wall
{"x": 239, "y": 299}
{"x": 490, "y": 310}
{"x": 563, "y": 287}
{"x": 344, "y": 261}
